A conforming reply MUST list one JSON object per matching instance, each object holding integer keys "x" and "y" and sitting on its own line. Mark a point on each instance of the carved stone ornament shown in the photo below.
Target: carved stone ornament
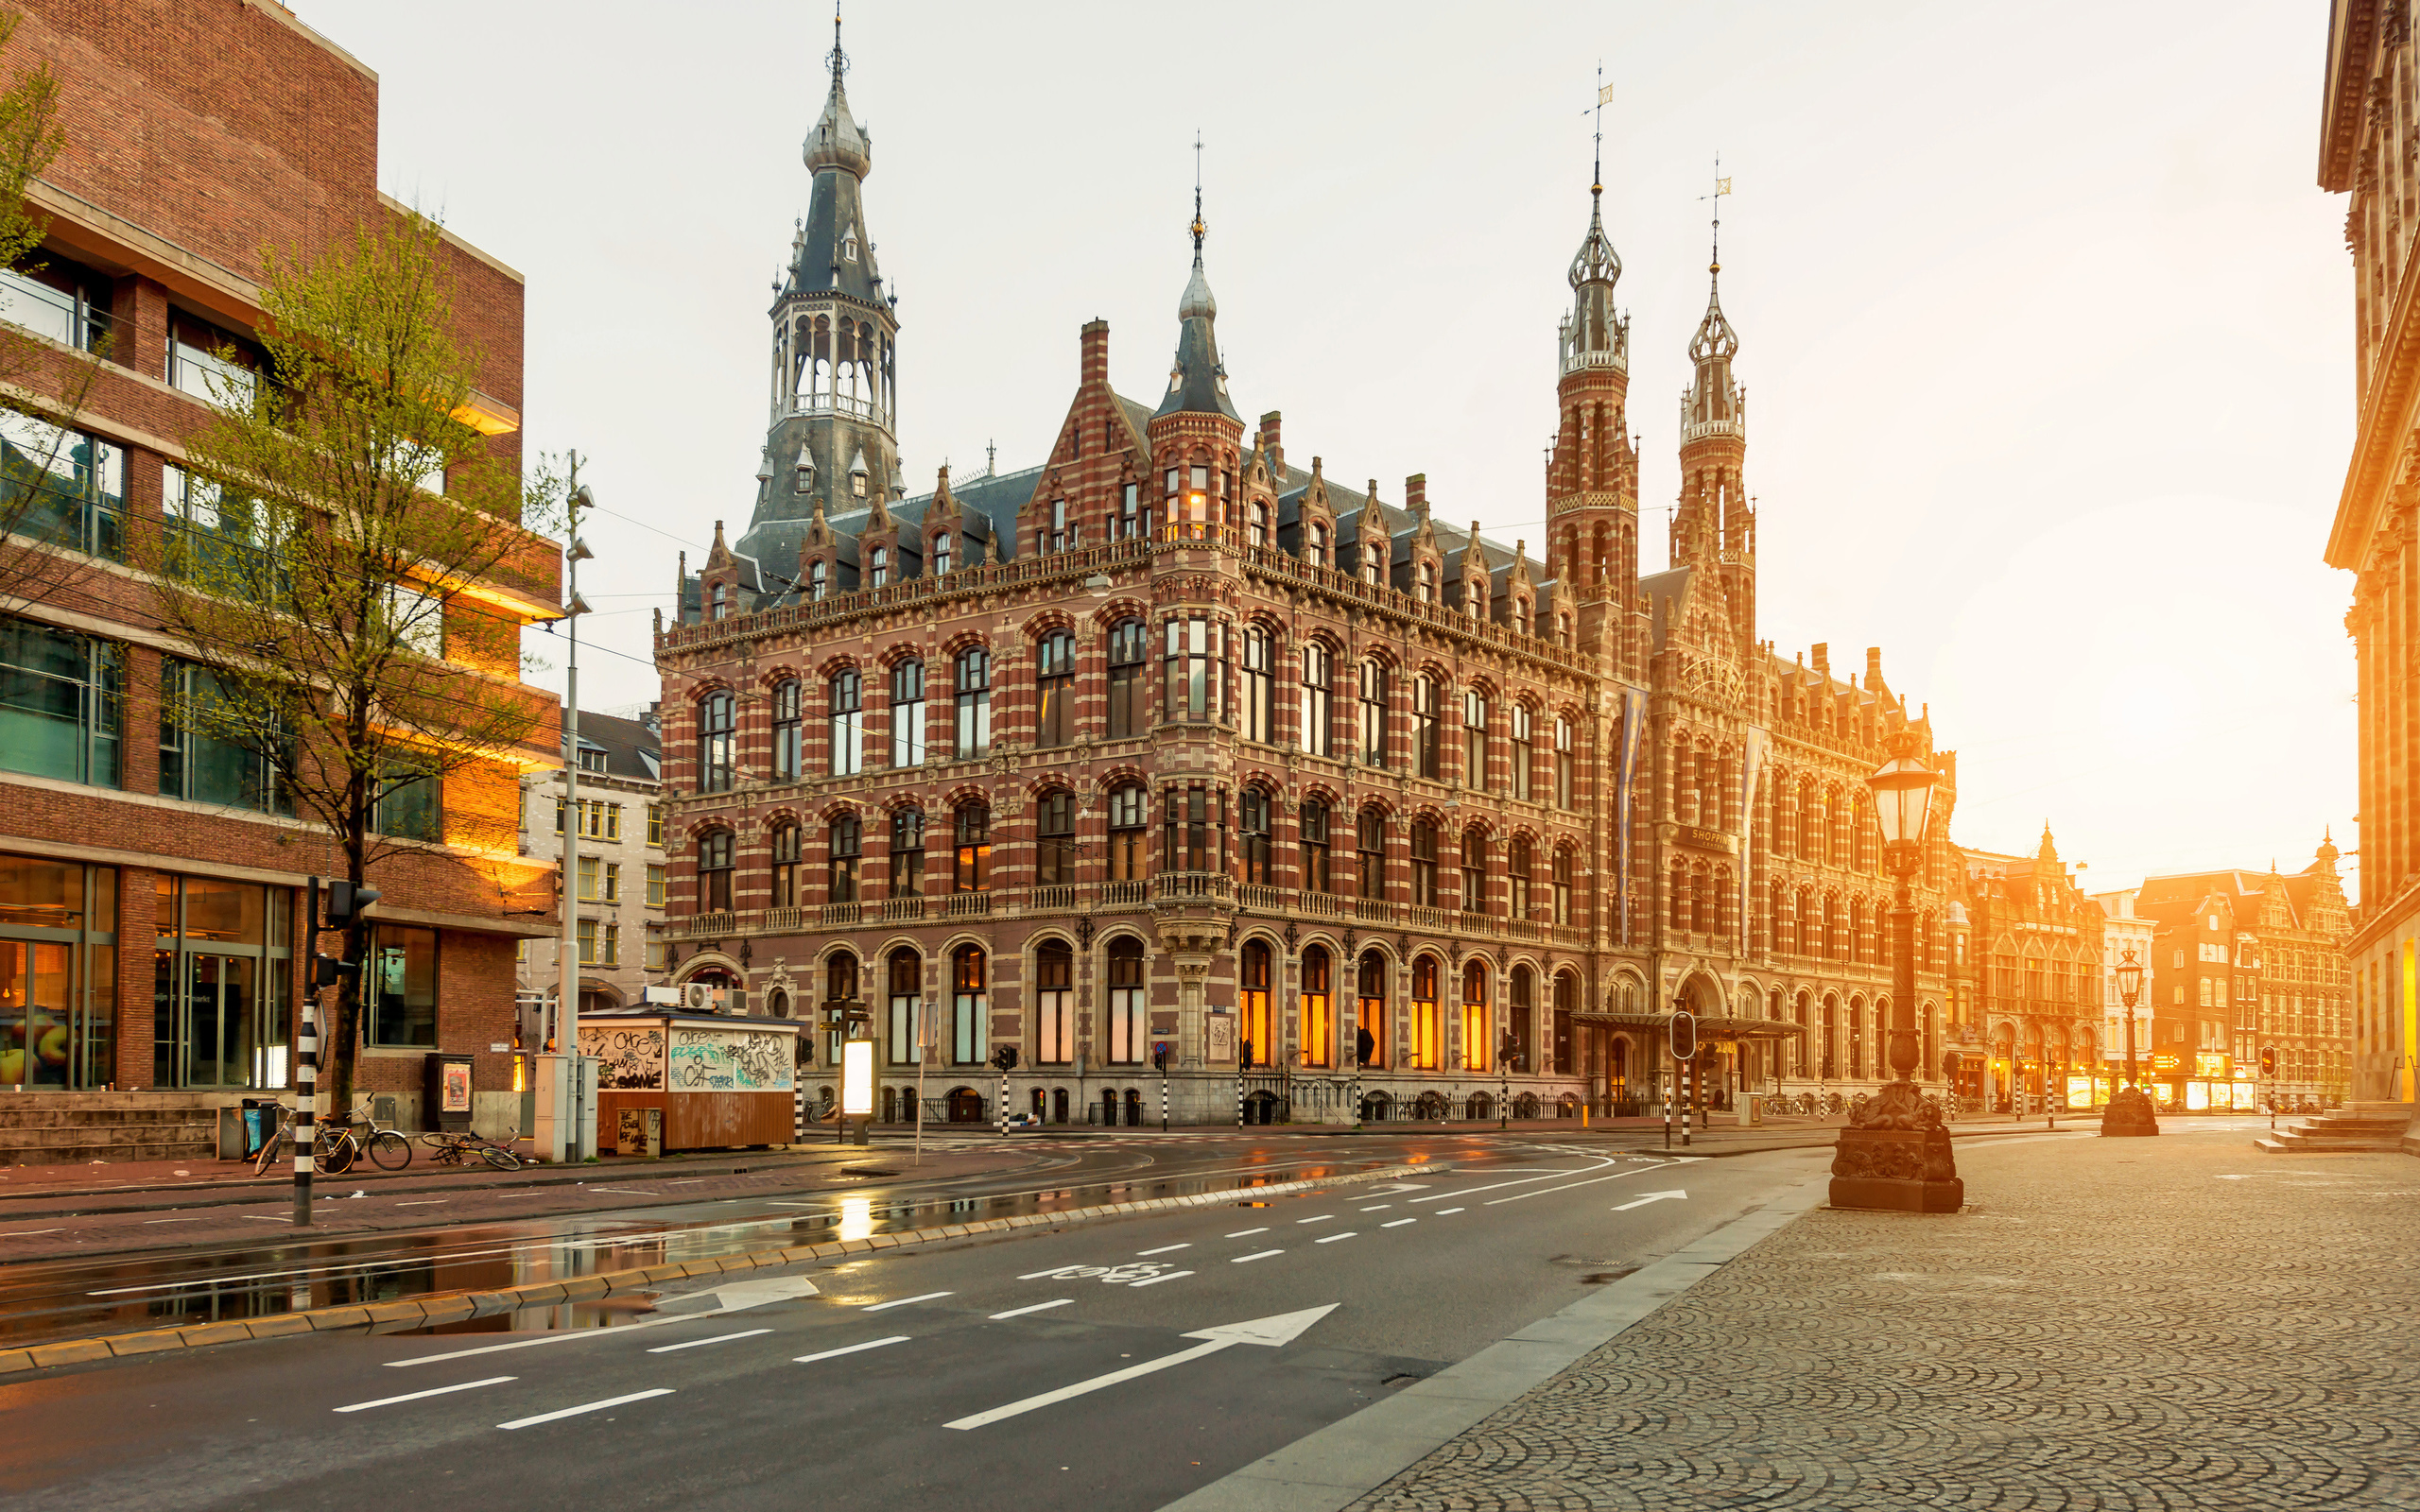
{"x": 1084, "y": 932}
{"x": 1899, "y": 1106}
{"x": 2130, "y": 1113}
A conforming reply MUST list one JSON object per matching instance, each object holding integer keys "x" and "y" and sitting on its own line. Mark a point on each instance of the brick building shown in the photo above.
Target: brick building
{"x": 1167, "y": 739}
{"x": 150, "y": 889}
{"x": 2030, "y": 955}
{"x": 2256, "y": 961}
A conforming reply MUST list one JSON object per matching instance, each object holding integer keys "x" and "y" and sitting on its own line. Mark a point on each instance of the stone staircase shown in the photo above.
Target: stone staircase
{"x": 2362, "y": 1126}
{"x": 76, "y": 1128}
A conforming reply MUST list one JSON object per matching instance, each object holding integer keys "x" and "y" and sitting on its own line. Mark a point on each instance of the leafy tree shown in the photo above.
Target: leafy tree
{"x": 341, "y": 565}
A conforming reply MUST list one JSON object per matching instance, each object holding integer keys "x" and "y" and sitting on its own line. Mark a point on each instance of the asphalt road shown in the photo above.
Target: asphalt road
{"x": 1201, "y": 1339}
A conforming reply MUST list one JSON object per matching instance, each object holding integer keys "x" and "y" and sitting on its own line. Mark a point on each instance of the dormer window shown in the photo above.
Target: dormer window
{"x": 849, "y": 246}
{"x": 857, "y": 483}
{"x": 1259, "y": 524}
{"x": 1373, "y": 562}
{"x": 1061, "y": 537}
{"x": 1474, "y": 598}
{"x": 1315, "y": 545}
{"x": 942, "y": 552}
{"x": 817, "y": 582}
{"x": 1425, "y": 586}
{"x": 804, "y": 476}
{"x": 881, "y": 565}
{"x": 722, "y": 601}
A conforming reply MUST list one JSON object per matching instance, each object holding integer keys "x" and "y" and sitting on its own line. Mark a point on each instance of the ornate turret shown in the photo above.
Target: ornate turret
{"x": 831, "y": 440}
{"x": 1196, "y": 434}
{"x": 1715, "y": 524}
{"x": 1197, "y": 382}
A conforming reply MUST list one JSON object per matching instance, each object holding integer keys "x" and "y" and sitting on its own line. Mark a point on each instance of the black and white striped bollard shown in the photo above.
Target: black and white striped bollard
{"x": 307, "y": 1111}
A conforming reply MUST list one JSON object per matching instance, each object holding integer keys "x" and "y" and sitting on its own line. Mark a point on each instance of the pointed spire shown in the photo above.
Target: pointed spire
{"x": 1197, "y": 382}
{"x": 837, "y": 140}
{"x": 1715, "y": 337}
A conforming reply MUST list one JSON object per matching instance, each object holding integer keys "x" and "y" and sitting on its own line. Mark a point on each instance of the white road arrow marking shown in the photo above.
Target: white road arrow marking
{"x": 735, "y": 1297}
{"x": 1652, "y": 1197}
{"x": 1275, "y": 1332}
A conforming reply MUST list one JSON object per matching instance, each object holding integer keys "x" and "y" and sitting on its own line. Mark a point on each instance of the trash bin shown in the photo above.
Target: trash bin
{"x": 447, "y": 1097}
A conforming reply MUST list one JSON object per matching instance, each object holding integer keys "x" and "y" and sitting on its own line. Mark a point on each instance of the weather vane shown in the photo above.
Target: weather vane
{"x": 1199, "y": 229}
{"x": 839, "y": 60}
{"x": 1721, "y": 187}
{"x": 1604, "y": 93}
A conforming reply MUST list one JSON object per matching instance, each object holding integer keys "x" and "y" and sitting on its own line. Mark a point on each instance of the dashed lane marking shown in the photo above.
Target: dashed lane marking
{"x": 586, "y": 1406}
{"x": 1038, "y": 1307}
{"x": 1398, "y": 1223}
{"x": 433, "y": 1391}
{"x": 1156, "y": 1280}
{"x": 876, "y": 1307}
{"x": 1332, "y": 1238}
{"x": 1260, "y": 1254}
{"x": 719, "y": 1338}
{"x": 848, "y": 1348}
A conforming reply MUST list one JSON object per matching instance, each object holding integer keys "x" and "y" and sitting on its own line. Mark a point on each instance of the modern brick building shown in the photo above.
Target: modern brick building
{"x": 150, "y": 879}
{"x": 1168, "y": 739}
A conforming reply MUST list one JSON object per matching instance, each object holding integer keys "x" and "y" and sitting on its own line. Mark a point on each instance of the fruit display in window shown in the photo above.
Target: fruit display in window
{"x": 12, "y": 1067}
{"x": 52, "y": 1046}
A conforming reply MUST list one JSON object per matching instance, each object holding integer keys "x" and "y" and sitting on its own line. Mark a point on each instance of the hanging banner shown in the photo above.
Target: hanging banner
{"x": 1633, "y": 718}
{"x": 1751, "y": 765}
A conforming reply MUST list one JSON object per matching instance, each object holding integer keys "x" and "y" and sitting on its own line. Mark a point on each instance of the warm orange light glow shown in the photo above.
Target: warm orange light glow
{"x": 488, "y": 417}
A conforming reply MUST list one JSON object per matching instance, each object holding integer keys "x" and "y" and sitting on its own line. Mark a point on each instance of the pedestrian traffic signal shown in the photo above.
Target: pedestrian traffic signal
{"x": 326, "y": 970}
{"x": 345, "y": 901}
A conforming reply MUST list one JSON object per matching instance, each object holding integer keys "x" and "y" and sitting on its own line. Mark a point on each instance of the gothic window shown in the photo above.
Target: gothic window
{"x": 1478, "y": 1022}
{"x": 1062, "y": 535}
{"x": 1259, "y": 1044}
{"x": 848, "y": 845}
{"x": 1128, "y": 694}
{"x": 1134, "y": 519}
{"x": 1190, "y": 828}
{"x": 1313, "y": 821}
{"x": 1054, "y": 965}
{"x": 1423, "y": 862}
{"x": 1319, "y": 1023}
{"x": 1474, "y": 738}
{"x": 1317, "y": 696}
{"x": 1128, "y": 825}
{"x": 1315, "y": 544}
{"x": 717, "y": 738}
{"x": 908, "y": 714}
{"x": 789, "y": 750}
{"x": 1425, "y": 584}
{"x": 714, "y": 871}
{"x": 1370, "y": 1010}
{"x": 1524, "y": 753}
{"x": 1255, "y": 810}
{"x": 881, "y": 566}
{"x": 1426, "y": 1030}
{"x": 722, "y": 601}
{"x": 848, "y": 722}
{"x": 785, "y": 848}
{"x": 1424, "y": 725}
{"x": 972, "y": 870}
{"x": 1369, "y": 848}
{"x": 1054, "y": 852}
{"x": 1374, "y": 713}
{"x": 907, "y": 852}
{"x": 1563, "y": 887}
{"x": 1374, "y": 561}
{"x": 1259, "y": 516}
{"x": 1474, "y": 870}
{"x": 1054, "y": 664}
{"x": 1260, "y": 684}
{"x": 1194, "y": 649}
{"x": 973, "y": 721}
{"x": 1521, "y": 1013}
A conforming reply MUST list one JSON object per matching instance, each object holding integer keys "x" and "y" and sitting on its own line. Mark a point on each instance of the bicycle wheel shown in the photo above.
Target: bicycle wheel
{"x": 391, "y": 1150}
{"x": 339, "y": 1154}
{"x": 437, "y": 1139}
{"x": 266, "y": 1160}
{"x": 502, "y": 1160}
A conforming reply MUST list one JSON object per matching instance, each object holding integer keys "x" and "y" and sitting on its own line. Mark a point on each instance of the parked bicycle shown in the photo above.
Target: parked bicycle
{"x": 335, "y": 1145}
{"x": 457, "y": 1149}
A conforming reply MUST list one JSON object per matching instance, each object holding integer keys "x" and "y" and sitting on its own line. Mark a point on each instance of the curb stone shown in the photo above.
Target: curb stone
{"x": 451, "y": 1307}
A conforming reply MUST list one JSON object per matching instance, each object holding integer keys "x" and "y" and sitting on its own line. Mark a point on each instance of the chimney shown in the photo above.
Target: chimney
{"x": 1095, "y": 367}
{"x": 1415, "y": 493}
{"x": 1822, "y": 654}
{"x": 1873, "y": 668}
{"x": 1272, "y": 447}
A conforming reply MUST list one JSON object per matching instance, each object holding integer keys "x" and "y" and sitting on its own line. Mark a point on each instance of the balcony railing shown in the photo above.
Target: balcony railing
{"x": 966, "y": 905}
{"x": 1057, "y": 898}
{"x": 1263, "y": 898}
{"x": 1193, "y": 886}
{"x": 842, "y": 915}
{"x": 901, "y": 910}
{"x": 1128, "y": 894}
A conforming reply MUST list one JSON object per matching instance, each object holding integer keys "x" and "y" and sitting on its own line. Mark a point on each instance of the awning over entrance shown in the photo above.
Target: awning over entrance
{"x": 1707, "y": 1028}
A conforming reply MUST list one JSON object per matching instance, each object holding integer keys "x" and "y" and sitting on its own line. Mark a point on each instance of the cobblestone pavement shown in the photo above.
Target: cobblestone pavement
{"x": 2172, "y": 1323}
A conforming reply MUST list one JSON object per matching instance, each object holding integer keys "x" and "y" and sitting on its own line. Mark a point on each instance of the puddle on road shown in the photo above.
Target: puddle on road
{"x": 41, "y": 1302}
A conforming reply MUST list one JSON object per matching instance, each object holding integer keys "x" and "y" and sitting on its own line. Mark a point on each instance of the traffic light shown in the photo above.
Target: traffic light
{"x": 2268, "y": 1060}
{"x": 326, "y": 970}
{"x": 1685, "y": 1035}
{"x": 1005, "y": 1057}
{"x": 1160, "y": 1054}
{"x": 1509, "y": 1051}
{"x": 345, "y": 901}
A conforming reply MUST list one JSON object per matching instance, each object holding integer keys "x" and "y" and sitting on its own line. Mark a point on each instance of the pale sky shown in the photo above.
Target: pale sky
{"x": 2045, "y": 325}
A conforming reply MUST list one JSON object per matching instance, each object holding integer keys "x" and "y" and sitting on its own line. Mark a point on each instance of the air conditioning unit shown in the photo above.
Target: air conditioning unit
{"x": 697, "y": 998}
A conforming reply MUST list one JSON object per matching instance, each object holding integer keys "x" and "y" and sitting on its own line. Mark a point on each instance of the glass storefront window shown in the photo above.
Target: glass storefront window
{"x": 60, "y": 703}
{"x": 222, "y": 999}
{"x": 399, "y": 987}
{"x": 58, "y": 974}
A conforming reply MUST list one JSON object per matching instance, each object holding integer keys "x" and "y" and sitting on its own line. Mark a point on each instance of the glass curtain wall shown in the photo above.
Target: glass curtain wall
{"x": 222, "y": 989}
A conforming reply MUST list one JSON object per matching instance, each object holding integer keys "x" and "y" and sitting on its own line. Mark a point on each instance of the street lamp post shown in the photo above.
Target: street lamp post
{"x": 1895, "y": 1153}
{"x": 2130, "y": 1111}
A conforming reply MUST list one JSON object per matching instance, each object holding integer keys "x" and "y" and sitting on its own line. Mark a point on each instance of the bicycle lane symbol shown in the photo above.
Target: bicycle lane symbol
{"x": 1132, "y": 1273}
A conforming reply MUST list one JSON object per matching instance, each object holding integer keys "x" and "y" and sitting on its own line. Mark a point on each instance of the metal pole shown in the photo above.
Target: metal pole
{"x": 1689, "y": 1107}
{"x": 918, "y": 1035}
{"x": 567, "y": 1008}
{"x": 1164, "y": 1093}
{"x": 306, "y": 1060}
{"x": 1240, "y": 1096}
{"x": 1003, "y": 1110}
{"x": 1667, "y": 1109}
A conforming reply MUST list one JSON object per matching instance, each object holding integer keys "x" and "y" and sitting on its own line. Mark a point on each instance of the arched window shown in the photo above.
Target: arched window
{"x": 1313, "y": 822}
{"x": 944, "y": 553}
{"x": 1370, "y": 849}
{"x": 974, "y": 722}
{"x": 1425, "y": 1027}
{"x": 1195, "y": 649}
{"x": 906, "y": 989}
{"x": 1255, "y": 810}
{"x": 714, "y": 871}
{"x": 1374, "y": 713}
{"x": 1260, "y": 685}
{"x": 818, "y": 581}
{"x": 1523, "y": 753}
{"x": 1373, "y": 561}
{"x": 1826, "y": 1057}
{"x": 906, "y": 852}
{"x": 1259, "y": 1046}
{"x": 1474, "y": 594}
{"x": 1563, "y": 763}
{"x": 1562, "y": 885}
{"x": 1425, "y": 583}
{"x": 847, "y": 846}
{"x": 970, "y": 1015}
{"x": 973, "y": 869}
{"x": 908, "y": 714}
{"x": 1424, "y": 742}
{"x": 1130, "y": 1018}
{"x": 839, "y": 986}
{"x": 786, "y": 848}
{"x": 1319, "y": 1012}
{"x": 1566, "y": 1002}
{"x": 1856, "y": 1039}
{"x": 1054, "y": 965}
{"x": 789, "y": 740}
{"x": 1315, "y": 544}
{"x": 715, "y": 741}
{"x": 1054, "y": 849}
{"x": 1479, "y": 1024}
{"x": 1475, "y": 713}
{"x": 1678, "y": 895}
{"x": 848, "y": 723}
{"x": 881, "y": 566}
{"x": 722, "y": 601}
{"x": 1318, "y": 706}
{"x": 1423, "y": 862}
{"x": 1474, "y": 870}
{"x": 1128, "y": 692}
{"x": 1054, "y": 684}
{"x": 1370, "y": 1011}
{"x": 1129, "y": 834}
{"x": 1259, "y": 518}
{"x": 1516, "y": 865}
{"x": 1522, "y": 1016}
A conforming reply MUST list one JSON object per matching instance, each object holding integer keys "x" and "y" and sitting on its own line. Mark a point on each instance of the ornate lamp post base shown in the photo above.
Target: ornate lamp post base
{"x": 1895, "y": 1156}
{"x": 2130, "y": 1113}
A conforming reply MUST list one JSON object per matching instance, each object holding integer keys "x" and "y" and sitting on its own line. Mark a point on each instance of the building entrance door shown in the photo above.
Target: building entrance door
{"x": 217, "y": 1033}
{"x": 40, "y": 1037}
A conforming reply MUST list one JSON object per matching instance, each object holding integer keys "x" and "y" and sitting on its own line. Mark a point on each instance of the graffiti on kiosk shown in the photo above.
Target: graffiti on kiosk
{"x": 633, "y": 1058}
{"x": 725, "y": 1060}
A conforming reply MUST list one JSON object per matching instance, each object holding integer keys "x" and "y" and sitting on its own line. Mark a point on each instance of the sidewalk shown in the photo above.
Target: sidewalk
{"x": 2176, "y": 1322}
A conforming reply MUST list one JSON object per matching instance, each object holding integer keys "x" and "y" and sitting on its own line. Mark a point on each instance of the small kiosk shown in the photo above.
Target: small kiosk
{"x": 670, "y": 1080}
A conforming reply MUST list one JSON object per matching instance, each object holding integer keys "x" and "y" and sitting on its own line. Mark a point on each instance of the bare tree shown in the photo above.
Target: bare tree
{"x": 337, "y": 565}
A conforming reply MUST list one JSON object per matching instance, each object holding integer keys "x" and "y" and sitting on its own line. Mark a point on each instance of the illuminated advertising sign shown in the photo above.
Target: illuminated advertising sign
{"x": 856, "y": 1078}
